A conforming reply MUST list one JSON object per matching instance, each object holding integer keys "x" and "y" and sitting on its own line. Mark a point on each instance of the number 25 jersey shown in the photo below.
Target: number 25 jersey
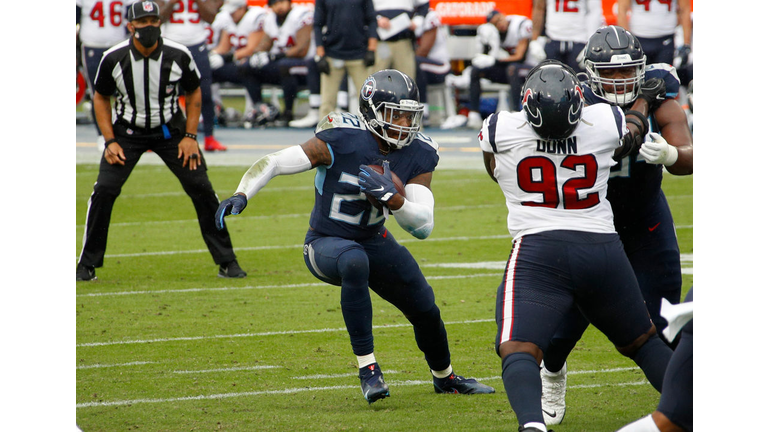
{"x": 555, "y": 184}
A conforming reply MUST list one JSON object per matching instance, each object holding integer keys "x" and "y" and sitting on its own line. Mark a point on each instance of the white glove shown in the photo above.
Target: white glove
{"x": 215, "y": 59}
{"x": 657, "y": 151}
{"x": 259, "y": 60}
{"x": 536, "y": 53}
{"x": 483, "y": 61}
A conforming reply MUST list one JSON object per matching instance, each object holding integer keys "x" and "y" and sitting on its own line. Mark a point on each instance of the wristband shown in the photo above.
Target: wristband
{"x": 109, "y": 141}
{"x": 190, "y": 135}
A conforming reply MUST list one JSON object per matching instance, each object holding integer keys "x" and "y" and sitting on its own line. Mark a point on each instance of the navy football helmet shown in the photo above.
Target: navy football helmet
{"x": 384, "y": 96}
{"x": 612, "y": 47}
{"x": 553, "y": 100}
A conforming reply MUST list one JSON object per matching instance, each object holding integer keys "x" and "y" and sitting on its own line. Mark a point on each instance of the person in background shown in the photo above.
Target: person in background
{"x": 653, "y": 23}
{"x": 397, "y": 20}
{"x": 433, "y": 60}
{"x": 567, "y": 26}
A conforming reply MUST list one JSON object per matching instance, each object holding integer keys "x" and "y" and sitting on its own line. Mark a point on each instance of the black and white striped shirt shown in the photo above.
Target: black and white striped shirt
{"x": 147, "y": 87}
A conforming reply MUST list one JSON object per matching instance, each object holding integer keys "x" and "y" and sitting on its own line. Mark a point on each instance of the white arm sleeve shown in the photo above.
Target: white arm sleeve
{"x": 417, "y": 213}
{"x": 292, "y": 160}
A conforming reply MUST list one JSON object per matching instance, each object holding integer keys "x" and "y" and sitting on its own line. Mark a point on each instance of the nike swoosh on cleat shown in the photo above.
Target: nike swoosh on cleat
{"x": 553, "y": 415}
{"x": 654, "y": 227}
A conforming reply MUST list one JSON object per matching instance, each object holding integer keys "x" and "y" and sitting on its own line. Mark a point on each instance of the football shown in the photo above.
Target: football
{"x": 395, "y": 179}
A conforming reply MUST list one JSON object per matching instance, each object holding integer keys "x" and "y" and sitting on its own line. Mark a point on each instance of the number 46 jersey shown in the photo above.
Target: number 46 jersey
{"x": 555, "y": 184}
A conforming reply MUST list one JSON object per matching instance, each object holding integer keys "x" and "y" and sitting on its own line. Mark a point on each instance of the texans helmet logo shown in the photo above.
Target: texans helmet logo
{"x": 534, "y": 119}
{"x": 574, "y": 112}
{"x": 367, "y": 90}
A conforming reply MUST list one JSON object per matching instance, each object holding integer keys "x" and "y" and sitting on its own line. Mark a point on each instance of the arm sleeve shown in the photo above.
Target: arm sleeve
{"x": 292, "y": 160}
{"x": 417, "y": 213}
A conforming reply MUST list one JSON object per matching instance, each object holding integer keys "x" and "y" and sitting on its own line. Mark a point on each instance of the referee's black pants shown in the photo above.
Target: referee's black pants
{"x": 110, "y": 182}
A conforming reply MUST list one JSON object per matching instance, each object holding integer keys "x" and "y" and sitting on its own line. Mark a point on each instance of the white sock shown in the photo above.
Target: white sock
{"x": 315, "y": 100}
{"x": 539, "y": 426}
{"x": 363, "y": 361}
{"x": 443, "y": 373}
{"x": 645, "y": 424}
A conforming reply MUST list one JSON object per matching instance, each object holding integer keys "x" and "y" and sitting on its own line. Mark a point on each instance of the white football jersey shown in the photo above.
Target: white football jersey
{"x": 439, "y": 51}
{"x": 252, "y": 21}
{"x": 520, "y": 27}
{"x": 653, "y": 18}
{"x": 284, "y": 36}
{"x": 573, "y": 20}
{"x": 102, "y": 23}
{"x": 555, "y": 184}
{"x": 185, "y": 25}
{"x": 223, "y": 21}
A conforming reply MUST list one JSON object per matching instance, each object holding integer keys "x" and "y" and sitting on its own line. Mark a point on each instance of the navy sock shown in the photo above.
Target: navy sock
{"x": 653, "y": 358}
{"x": 520, "y": 373}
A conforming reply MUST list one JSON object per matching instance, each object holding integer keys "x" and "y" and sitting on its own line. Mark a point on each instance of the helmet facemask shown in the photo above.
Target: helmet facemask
{"x": 625, "y": 90}
{"x": 385, "y": 124}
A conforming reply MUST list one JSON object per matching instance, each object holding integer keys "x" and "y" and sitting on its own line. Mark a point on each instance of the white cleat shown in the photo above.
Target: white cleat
{"x": 553, "y": 395}
{"x": 474, "y": 120}
{"x": 309, "y": 121}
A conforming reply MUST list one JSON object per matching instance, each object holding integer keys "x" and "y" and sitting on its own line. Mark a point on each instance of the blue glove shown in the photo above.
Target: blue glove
{"x": 232, "y": 205}
{"x": 380, "y": 186}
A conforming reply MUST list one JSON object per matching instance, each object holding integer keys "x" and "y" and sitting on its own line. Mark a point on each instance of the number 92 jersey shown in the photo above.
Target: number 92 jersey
{"x": 555, "y": 184}
{"x": 341, "y": 209}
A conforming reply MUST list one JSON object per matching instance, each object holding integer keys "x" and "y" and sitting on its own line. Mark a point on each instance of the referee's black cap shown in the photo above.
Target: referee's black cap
{"x": 140, "y": 9}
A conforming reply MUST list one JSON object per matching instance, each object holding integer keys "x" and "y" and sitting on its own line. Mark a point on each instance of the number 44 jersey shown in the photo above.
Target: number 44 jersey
{"x": 341, "y": 209}
{"x": 555, "y": 184}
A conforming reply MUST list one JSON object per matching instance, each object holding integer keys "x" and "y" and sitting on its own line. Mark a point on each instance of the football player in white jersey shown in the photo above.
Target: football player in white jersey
{"x": 433, "y": 61}
{"x": 503, "y": 47}
{"x": 99, "y": 26}
{"x": 287, "y": 57}
{"x": 567, "y": 25}
{"x": 653, "y": 22}
{"x": 184, "y": 22}
{"x": 552, "y": 161}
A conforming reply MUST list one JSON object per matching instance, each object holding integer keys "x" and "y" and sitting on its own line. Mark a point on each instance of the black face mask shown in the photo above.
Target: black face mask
{"x": 147, "y": 36}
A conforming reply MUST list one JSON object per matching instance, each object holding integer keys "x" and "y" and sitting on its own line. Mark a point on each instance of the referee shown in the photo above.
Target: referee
{"x": 145, "y": 74}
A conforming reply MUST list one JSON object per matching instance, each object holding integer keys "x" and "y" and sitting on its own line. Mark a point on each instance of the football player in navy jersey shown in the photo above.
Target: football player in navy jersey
{"x": 347, "y": 243}
{"x": 616, "y": 71}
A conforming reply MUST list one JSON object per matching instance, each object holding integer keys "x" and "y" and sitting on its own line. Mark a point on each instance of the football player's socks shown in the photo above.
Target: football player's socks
{"x": 520, "y": 373}
{"x": 365, "y": 360}
{"x": 645, "y": 424}
{"x": 653, "y": 358}
{"x": 443, "y": 373}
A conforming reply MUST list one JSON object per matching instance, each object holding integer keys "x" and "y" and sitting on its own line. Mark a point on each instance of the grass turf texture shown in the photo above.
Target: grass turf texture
{"x": 163, "y": 344}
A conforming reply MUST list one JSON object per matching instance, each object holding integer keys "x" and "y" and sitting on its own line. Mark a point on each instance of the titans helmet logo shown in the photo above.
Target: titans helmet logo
{"x": 368, "y": 87}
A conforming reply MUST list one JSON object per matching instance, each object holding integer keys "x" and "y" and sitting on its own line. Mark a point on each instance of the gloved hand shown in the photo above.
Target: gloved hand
{"x": 275, "y": 57}
{"x": 323, "y": 66}
{"x": 483, "y": 61}
{"x": 654, "y": 91}
{"x": 658, "y": 151}
{"x": 215, "y": 59}
{"x": 369, "y": 59}
{"x": 259, "y": 60}
{"x": 682, "y": 55}
{"x": 379, "y": 186}
{"x": 232, "y": 205}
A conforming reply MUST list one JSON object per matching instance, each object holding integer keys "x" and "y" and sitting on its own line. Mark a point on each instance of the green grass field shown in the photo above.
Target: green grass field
{"x": 165, "y": 345}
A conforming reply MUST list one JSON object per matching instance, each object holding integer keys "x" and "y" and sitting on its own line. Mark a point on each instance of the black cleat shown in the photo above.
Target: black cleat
{"x": 372, "y": 383}
{"x": 231, "y": 270}
{"x": 86, "y": 273}
{"x": 459, "y": 385}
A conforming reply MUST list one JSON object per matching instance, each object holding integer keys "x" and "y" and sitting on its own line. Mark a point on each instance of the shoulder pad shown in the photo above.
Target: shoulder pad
{"x": 666, "y": 72}
{"x": 336, "y": 119}
{"x": 427, "y": 140}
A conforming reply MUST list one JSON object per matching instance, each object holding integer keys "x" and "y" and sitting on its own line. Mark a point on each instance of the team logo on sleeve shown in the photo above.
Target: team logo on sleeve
{"x": 368, "y": 87}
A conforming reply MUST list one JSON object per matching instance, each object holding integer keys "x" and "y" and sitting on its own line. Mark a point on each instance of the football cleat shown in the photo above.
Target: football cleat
{"x": 309, "y": 121}
{"x": 553, "y": 395}
{"x": 231, "y": 270}
{"x": 85, "y": 273}
{"x": 530, "y": 429}
{"x": 474, "y": 120}
{"x": 211, "y": 144}
{"x": 372, "y": 383}
{"x": 459, "y": 385}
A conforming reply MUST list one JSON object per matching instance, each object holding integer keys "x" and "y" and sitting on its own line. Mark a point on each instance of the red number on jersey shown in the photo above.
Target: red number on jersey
{"x": 538, "y": 174}
{"x": 179, "y": 8}
{"x": 115, "y": 13}
{"x": 646, "y": 4}
{"x": 565, "y": 6}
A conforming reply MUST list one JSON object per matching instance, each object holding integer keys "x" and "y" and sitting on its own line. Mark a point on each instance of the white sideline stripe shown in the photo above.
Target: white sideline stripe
{"x": 186, "y": 290}
{"x": 244, "y": 368}
{"x": 306, "y": 389}
{"x": 274, "y": 333}
{"x": 95, "y": 366}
